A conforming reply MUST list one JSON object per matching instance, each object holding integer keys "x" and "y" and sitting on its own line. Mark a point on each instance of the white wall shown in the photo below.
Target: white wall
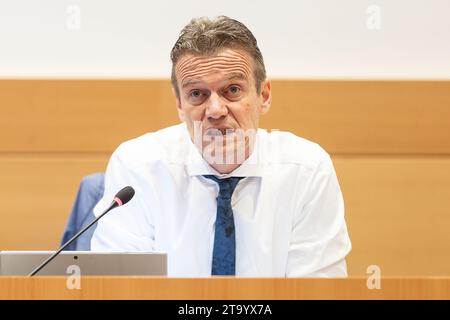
{"x": 299, "y": 39}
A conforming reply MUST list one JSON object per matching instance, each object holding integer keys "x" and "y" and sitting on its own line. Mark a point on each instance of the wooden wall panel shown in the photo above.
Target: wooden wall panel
{"x": 37, "y": 193}
{"x": 369, "y": 117}
{"x": 398, "y": 213}
{"x": 390, "y": 141}
{"x": 346, "y": 117}
{"x": 81, "y": 116}
{"x": 397, "y": 208}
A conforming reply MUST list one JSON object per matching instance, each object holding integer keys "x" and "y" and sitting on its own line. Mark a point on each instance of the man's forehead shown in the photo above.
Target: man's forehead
{"x": 233, "y": 64}
{"x": 198, "y": 78}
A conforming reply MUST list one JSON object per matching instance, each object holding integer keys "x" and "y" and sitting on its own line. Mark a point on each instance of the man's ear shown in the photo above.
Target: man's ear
{"x": 266, "y": 95}
{"x": 178, "y": 104}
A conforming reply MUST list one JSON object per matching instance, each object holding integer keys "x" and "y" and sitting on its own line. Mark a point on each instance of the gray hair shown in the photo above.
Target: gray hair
{"x": 203, "y": 36}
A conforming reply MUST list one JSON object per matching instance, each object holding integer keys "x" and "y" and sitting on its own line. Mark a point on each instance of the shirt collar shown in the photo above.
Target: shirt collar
{"x": 253, "y": 166}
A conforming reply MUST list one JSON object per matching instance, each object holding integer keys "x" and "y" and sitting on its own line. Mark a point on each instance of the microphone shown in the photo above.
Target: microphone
{"x": 121, "y": 198}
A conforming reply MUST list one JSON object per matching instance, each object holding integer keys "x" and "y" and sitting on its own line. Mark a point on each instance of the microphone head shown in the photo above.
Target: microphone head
{"x": 124, "y": 195}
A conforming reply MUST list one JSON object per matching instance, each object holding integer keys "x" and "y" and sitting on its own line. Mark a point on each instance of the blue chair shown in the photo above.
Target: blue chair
{"x": 89, "y": 194}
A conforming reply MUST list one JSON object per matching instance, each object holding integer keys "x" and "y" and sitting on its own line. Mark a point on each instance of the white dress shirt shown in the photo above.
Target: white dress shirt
{"x": 288, "y": 211}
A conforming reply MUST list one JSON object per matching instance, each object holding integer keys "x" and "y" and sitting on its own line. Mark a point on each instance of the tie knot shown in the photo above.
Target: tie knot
{"x": 226, "y": 186}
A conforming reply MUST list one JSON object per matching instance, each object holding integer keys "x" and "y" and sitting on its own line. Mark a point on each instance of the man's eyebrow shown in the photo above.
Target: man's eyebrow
{"x": 237, "y": 76}
{"x": 190, "y": 82}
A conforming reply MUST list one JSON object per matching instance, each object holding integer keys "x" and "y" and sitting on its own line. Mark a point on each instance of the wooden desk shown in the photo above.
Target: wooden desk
{"x": 222, "y": 288}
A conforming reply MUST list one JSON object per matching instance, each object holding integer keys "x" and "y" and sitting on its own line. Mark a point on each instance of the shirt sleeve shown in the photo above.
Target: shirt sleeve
{"x": 320, "y": 241}
{"x": 127, "y": 228}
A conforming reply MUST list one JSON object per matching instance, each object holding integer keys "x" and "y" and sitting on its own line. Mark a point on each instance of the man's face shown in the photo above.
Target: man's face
{"x": 219, "y": 102}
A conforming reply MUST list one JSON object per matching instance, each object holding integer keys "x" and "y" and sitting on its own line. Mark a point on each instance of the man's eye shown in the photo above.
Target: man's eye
{"x": 195, "y": 94}
{"x": 234, "y": 89}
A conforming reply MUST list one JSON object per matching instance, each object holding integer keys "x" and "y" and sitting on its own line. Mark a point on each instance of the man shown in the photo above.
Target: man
{"x": 216, "y": 193}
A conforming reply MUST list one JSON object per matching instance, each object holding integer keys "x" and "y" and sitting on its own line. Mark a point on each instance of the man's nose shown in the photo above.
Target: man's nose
{"x": 215, "y": 107}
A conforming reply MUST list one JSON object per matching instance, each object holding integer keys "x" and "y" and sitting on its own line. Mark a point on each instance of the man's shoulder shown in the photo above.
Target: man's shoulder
{"x": 159, "y": 145}
{"x": 287, "y": 148}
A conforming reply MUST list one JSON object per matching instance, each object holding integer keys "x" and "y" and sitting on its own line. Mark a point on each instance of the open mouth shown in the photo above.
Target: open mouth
{"x": 219, "y": 131}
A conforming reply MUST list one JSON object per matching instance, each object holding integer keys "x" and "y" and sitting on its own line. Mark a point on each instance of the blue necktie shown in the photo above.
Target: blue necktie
{"x": 224, "y": 252}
